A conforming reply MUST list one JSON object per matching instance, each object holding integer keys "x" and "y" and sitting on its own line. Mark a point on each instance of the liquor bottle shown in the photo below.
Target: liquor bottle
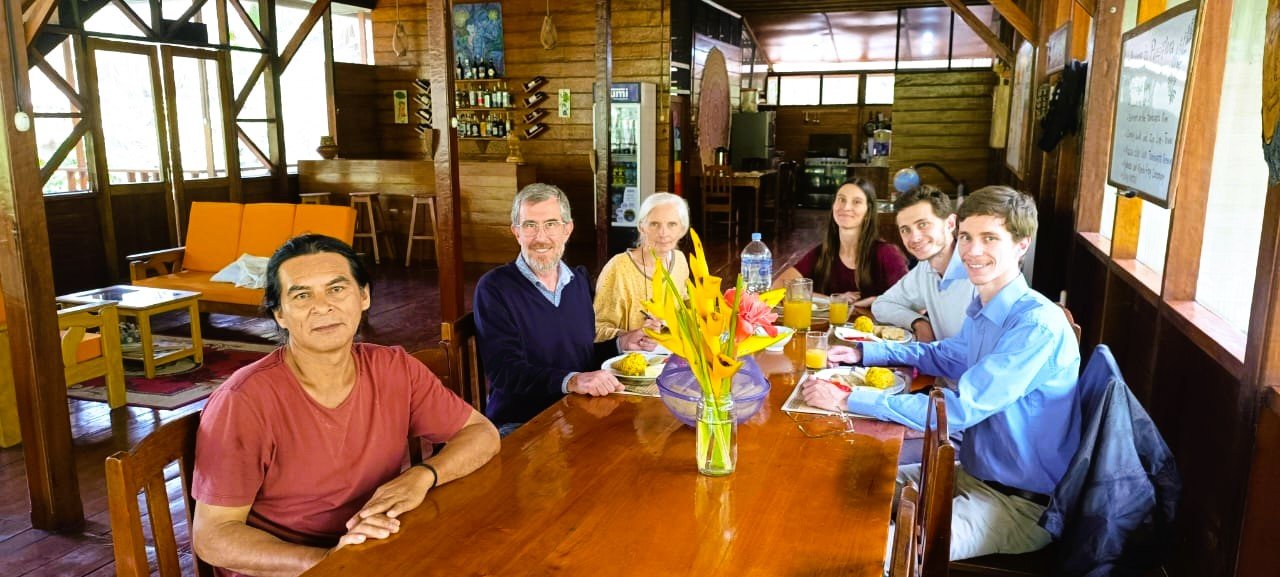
{"x": 489, "y": 70}
{"x": 475, "y": 70}
{"x": 534, "y": 99}
{"x": 534, "y": 82}
{"x": 458, "y": 70}
{"x": 535, "y": 130}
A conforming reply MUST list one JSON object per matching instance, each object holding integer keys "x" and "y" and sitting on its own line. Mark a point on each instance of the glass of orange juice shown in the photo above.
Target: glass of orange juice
{"x": 797, "y": 307}
{"x": 815, "y": 350}
{"x": 839, "y": 311}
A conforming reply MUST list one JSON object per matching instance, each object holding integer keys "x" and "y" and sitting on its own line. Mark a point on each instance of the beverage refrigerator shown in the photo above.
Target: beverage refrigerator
{"x": 633, "y": 120}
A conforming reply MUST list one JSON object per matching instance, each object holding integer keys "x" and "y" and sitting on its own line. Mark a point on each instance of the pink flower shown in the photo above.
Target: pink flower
{"x": 751, "y": 314}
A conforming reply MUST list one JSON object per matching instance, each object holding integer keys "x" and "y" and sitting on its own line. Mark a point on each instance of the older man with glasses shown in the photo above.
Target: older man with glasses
{"x": 535, "y": 322}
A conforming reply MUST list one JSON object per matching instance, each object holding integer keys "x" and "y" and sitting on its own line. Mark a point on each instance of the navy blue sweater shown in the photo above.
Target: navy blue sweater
{"x": 528, "y": 345}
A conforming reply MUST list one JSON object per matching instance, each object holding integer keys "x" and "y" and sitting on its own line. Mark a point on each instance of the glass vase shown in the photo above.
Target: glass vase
{"x": 717, "y": 437}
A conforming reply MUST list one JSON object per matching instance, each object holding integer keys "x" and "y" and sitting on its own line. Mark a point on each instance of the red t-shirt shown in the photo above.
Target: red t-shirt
{"x": 306, "y": 468}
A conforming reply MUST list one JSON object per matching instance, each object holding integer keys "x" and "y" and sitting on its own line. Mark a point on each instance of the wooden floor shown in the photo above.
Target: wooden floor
{"x": 405, "y": 312}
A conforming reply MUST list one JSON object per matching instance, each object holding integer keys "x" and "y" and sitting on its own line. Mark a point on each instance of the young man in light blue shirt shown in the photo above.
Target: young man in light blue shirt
{"x": 938, "y": 285}
{"x": 1015, "y": 363}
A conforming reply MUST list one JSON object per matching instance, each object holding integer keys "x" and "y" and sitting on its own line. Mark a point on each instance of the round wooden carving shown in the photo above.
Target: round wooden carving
{"x": 1271, "y": 73}
{"x": 713, "y": 107}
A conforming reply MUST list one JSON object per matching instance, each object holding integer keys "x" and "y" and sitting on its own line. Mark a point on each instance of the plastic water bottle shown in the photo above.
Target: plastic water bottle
{"x": 757, "y": 265}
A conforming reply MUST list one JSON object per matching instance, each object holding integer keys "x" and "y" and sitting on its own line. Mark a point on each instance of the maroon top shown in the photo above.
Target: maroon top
{"x": 891, "y": 265}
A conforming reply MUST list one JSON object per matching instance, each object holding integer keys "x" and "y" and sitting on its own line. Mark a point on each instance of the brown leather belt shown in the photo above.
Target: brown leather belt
{"x": 1038, "y": 498}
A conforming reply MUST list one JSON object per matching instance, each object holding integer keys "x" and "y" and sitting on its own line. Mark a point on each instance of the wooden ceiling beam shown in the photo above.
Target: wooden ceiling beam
{"x": 1001, "y": 51}
{"x": 1014, "y": 15}
{"x": 317, "y": 11}
{"x": 35, "y": 16}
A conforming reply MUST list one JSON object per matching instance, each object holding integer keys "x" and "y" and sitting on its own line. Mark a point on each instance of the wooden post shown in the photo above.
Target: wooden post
{"x": 604, "y": 79}
{"x": 448, "y": 201}
{"x": 28, "y": 298}
{"x": 1104, "y": 79}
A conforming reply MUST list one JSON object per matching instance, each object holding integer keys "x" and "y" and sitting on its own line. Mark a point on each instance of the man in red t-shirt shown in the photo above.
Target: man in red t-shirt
{"x": 299, "y": 453}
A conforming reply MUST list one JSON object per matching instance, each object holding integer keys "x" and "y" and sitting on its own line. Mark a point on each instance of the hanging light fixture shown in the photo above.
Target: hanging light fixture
{"x": 548, "y": 30}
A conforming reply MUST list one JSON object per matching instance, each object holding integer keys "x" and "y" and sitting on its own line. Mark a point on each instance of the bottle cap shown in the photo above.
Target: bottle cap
{"x": 755, "y": 236}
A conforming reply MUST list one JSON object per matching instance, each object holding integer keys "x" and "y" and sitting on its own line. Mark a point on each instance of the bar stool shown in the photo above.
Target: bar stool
{"x": 373, "y": 212}
{"x": 427, "y": 200}
{"x": 314, "y": 198}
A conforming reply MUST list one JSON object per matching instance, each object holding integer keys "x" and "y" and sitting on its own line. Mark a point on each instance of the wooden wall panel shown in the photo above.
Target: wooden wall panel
{"x": 793, "y": 132}
{"x": 354, "y": 89}
{"x": 560, "y": 155}
{"x": 1258, "y": 553}
{"x": 140, "y": 225}
{"x": 75, "y": 249}
{"x": 944, "y": 117}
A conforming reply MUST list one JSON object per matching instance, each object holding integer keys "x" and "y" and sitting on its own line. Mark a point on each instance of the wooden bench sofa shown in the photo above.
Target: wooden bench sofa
{"x": 218, "y": 233}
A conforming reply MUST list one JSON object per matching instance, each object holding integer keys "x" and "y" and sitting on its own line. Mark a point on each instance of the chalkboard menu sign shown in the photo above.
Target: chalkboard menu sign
{"x": 1154, "y": 62}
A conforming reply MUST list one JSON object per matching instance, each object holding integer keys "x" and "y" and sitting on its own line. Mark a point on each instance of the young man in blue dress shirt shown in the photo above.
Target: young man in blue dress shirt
{"x": 1015, "y": 363}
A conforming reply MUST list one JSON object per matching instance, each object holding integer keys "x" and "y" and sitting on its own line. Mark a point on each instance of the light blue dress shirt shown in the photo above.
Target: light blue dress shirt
{"x": 1015, "y": 362}
{"x": 566, "y": 276}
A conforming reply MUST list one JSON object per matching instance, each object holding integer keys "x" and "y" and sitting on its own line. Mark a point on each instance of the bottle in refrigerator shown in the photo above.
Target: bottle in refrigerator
{"x": 757, "y": 265}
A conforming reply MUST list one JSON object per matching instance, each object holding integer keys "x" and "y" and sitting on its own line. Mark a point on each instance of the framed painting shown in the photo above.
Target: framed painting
{"x": 477, "y": 35}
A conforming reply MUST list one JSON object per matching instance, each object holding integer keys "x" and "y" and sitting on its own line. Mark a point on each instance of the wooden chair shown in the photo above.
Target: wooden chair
{"x": 902, "y": 561}
{"x": 142, "y": 470}
{"x": 717, "y": 197}
{"x": 932, "y": 542}
{"x": 466, "y": 373}
{"x": 1072, "y": 321}
{"x": 775, "y": 207}
{"x": 428, "y": 202}
{"x": 90, "y": 349}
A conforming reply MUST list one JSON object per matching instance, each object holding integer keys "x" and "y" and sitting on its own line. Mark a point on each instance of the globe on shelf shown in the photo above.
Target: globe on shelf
{"x": 906, "y": 180}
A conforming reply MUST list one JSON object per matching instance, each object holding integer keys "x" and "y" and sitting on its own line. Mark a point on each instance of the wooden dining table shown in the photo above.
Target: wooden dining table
{"x": 609, "y": 486}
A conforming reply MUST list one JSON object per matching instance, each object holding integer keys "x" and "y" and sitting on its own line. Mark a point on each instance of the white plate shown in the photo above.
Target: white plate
{"x": 848, "y": 334}
{"x": 900, "y": 380}
{"x": 651, "y": 373}
{"x": 778, "y": 346}
{"x": 821, "y": 303}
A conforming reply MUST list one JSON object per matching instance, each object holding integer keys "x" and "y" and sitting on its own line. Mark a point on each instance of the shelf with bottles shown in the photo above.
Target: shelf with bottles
{"x": 473, "y": 126}
{"x": 483, "y": 109}
{"x": 475, "y": 69}
{"x": 484, "y": 96}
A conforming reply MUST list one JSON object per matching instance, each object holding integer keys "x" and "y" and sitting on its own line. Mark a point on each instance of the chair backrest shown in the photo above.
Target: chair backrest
{"x": 336, "y": 221}
{"x": 903, "y": 559}
{"x": 142, "y": 469}
{"x": 264, "y": 227}
{"x": 937, "y": 489}
{"x": 466, "y": 373}
{"x": 717, "y": 184}
{"x": 213, "y": 235}
{"x": 1071, "y": 320}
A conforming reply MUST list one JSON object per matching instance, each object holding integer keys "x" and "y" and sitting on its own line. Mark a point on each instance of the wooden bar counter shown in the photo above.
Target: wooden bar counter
{"x": 486, "y": 187}
{"x": 608, "y": 486}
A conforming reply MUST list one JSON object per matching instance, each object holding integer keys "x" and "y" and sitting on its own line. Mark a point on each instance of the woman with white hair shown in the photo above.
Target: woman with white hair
{"x": 627, "y": 279}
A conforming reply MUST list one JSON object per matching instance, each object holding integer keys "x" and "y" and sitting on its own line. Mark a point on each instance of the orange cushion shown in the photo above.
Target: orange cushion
{"x": 264, "y": 227}
{"x": 90, "y": 347}
{"x": 336, "y": 221}
{"x": 213, "y": 234}
{"x": 213, "y": 291}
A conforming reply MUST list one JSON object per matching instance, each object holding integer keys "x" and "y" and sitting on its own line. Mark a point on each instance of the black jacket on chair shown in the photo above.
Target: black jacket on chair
{"x": 1112, "y": 513}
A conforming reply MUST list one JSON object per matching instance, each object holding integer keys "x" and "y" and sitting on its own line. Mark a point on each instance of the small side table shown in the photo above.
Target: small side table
{"x": 141, "y": 303}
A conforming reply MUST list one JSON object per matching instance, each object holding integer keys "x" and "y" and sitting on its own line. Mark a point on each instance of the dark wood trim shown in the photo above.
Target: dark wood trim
{"x": 600, "y": 155}
{"x": 445, "y": 160}
{"x": 1145, "y": 282}
{"x": 186, "y": 16}
{"x": 35, "y": 345}
{"x": 1001, "y": 50}
{"x": 275, "y": 105}
{"x": 1097, "y": 244}
{"x": 1207, "y": 330}
{"x": 1089, "y": 6}
{"x": 318, "y": 10}
{"x": 1014, "y": 15}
